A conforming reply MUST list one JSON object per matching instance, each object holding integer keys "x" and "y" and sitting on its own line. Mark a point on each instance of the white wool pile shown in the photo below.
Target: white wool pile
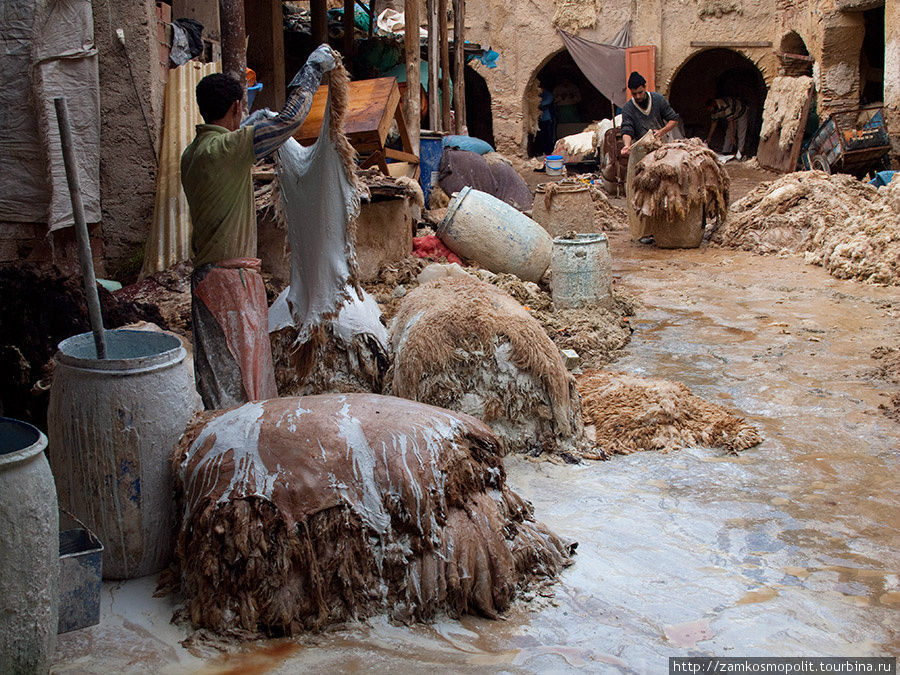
{"x": 783, "y": 108}
{"x": 850, "y": 228}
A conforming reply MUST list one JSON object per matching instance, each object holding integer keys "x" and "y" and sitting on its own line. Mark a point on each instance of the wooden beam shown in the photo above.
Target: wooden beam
{"x": 234, "y": 41}
{"x": 445, "y": 66}
{"x": 349, "y": 31}
{"x": 459, "y": 69}
{"x": 265, "y": 51}
{"x": 733, "y": 45}
{"x": 318, "y": 10}
{"x": 434, "y": 59}
{"x": 412, "y": 104}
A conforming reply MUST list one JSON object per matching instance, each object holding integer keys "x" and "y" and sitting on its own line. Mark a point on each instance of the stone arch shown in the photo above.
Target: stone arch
{"x": 794, "y": 55}
{"x": 558, "y": 68}
{"x": 716, "y": 72}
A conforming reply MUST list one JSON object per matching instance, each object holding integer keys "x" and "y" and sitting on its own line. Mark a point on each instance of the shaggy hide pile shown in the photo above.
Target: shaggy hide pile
{"x": 297, "y": 513}
{"x": 462, "y": 344}
{"x": 850, "y": 228}
{"x": 783, "y": 108}
{"x": 677, "y": 176}
{"x": 630, "y": 414}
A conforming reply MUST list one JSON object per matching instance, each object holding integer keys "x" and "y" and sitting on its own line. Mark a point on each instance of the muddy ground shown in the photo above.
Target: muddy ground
{"x": 789, "y": 549}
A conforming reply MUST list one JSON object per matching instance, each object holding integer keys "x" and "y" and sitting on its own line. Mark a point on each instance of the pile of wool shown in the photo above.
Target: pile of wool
{"x": 631, "y": 413}
{"x": 298, "y": 513}
{"x": 348, "y": 353}
{"x": 595, "y": 333}
{"x": 673, "y": 178}
{"x": 394, "y": 280}
{"x": 465, "y": 345}
{"x": 783, "y": 109}
{"x": 607, "y": 216}
{"x": 850, "y": 228}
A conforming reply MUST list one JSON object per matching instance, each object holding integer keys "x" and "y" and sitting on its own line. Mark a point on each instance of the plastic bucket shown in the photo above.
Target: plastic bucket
{"x": 29, "y": 551}
{"x": 252, "y": 92}
{"x": 480, "y": 227}
{"x": 554, "y": 165}
{"x": 581, "y": 271}
{"x": 431, "y": 149}
{"x": 112, "y": 425}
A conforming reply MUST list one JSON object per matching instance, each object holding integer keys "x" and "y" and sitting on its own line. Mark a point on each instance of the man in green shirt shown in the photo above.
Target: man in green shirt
{"x": 232, "y": 355}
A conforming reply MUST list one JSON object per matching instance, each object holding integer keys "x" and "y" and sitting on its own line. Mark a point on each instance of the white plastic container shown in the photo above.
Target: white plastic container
{"x": 480, "y": 227}
{"x": 554, "y": 165}
{"x": 581, "y": 271}
{"x": 112, "y": 425}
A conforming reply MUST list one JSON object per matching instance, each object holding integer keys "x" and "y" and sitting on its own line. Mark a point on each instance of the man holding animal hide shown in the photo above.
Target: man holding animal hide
{"x": 232, "y": 354}
{"x": 646, "y": 111}
{"x": 736, "y": 115}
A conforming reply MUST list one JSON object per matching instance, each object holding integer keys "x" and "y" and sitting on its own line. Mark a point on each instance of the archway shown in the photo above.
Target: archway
{"x": 479, "y": 117}
{"x": 795, "y": 58}
{"x": 577, "y": 103}
{"x": 715, "y": 73}
{"x": 871, "y": 58}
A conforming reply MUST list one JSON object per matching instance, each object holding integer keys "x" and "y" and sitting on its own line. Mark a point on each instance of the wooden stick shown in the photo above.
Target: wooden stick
{"x": 459, "y": 72}
{"x": 349, "y": 32}
{"x": 81, "y": 230}
{"x": 434, "y": 58}
{"x": 412, "y": 104}
{"x": 318, "y": 10}
{"x": 445, "y": 65}
{"x": 234, "y": 42}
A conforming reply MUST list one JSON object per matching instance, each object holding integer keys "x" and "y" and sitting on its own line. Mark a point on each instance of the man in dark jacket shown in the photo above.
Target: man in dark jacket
{"x": 645, "y": 111}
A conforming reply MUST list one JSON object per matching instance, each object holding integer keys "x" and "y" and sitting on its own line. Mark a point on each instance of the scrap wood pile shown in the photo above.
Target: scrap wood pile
{"x": 673, "y": 178}
{"x": 783, "y": 109}
{"x": 631, "y": 414}
{"x": 298, "y": 513}
{"x": 850, "y": 228}
{"x": 463, "y": 344}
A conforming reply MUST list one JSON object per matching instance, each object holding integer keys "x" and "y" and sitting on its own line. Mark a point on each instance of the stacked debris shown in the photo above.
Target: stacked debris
{"x": 298, "y": 513}
{"x": 462, "y": 344}
{"x": 850, "y": 228}
{"x": 628, "y": 414}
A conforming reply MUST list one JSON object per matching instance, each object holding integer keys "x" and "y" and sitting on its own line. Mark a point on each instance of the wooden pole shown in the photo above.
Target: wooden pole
{"x": 318, "y": 10}
{"x": 413, "y": 104}
{"x": 434, "y": 59}
{"x": 81, "y": 230}
{"x": 349, "y": 30}
{"x": 459, "y": 72}
{"x": 234, "y": 41}
{"x": 445, "y": 66}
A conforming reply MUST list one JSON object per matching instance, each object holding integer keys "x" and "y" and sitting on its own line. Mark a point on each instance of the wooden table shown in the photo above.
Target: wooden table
{"x": 372, "y": 105}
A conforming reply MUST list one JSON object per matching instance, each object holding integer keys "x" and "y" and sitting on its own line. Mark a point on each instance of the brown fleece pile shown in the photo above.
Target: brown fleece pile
{"x": 298, "y": 513}
{"x": 631, "y": 413}
{"x": 465, "y": 345}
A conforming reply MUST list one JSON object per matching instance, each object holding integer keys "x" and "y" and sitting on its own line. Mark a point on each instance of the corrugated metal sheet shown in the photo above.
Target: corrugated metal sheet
{"x": 170, "y": 233}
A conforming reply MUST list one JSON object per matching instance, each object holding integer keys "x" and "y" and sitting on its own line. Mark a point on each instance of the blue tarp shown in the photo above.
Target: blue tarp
{"x": 882, "y": 178}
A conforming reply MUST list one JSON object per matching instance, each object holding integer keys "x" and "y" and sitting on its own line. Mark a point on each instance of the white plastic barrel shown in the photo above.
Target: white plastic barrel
{"x": 112, "y": 425}
{"x": 581, "y": 271}
{"x": 29, "y": 551}
{"x": 480, "y": 227}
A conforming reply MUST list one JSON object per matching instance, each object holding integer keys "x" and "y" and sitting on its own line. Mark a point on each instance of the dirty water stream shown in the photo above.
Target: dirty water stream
{"x": 790, "y": 549}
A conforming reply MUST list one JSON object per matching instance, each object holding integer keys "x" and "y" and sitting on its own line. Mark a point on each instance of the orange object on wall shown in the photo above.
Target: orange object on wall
{"x": 643, "y": 60}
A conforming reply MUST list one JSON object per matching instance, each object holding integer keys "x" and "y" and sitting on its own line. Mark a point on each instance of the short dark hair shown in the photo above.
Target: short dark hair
{"x": 215, "y": 95}
{"x": 636, "y": 80}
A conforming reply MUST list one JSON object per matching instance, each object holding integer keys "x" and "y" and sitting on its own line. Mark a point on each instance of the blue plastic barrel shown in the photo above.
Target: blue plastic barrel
{"x": 431, "y": 150}
{"x": 251, "y": 94}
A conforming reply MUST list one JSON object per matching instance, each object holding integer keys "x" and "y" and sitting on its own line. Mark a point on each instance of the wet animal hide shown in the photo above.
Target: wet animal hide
{"x": 318, "y": 199}
{"x": 463, "y": 344}
{"x": 348, "y": 353}
{"x": 672, "y": 178}
{"x": 850, "y": 228}
{"x": 783, "y": 108}
{"x": 631, "y": 413}
{"x": 302, "y": 512}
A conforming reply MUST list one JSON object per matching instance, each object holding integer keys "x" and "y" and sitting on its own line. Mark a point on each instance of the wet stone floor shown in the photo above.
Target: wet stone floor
{"x": 790, "y": 549}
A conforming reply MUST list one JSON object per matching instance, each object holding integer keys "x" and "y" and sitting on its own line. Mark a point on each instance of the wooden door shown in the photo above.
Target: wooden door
{"x": 643, "y": 60}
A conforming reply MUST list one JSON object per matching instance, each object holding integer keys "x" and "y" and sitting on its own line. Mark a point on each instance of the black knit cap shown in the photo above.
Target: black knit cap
{"x": 636, "y": 80}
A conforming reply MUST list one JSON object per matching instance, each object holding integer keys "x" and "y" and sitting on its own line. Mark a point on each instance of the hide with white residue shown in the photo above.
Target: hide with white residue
{"x": 301, "y": 512}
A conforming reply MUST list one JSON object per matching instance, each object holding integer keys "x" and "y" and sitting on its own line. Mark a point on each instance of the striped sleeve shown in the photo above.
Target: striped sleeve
{"x": 269, "y": 134}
